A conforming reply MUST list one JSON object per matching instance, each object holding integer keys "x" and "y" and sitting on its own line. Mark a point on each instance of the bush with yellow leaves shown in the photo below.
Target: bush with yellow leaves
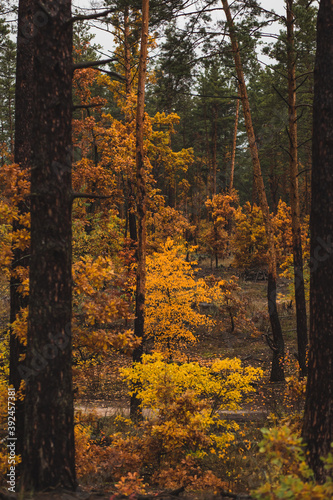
{"x": 182, "y": 434}
{"x": 184, "y": 425}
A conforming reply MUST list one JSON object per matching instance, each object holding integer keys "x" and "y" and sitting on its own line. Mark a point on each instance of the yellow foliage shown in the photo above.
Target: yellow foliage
{"x": 172, "y": 300}
{"x": 20, "y": 325}
{"x": 221, "y": 382}
{"x": 184, "y": 424}
{"x": 249, "y": 239}
{"x": 160, "y": 152}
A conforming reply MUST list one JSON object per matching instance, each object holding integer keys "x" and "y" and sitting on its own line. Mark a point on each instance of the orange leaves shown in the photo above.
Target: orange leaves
{"x": 90, "y": 275}
{"x": 215, "y": 237}
{"x": 249, "y": 239}
{"x": 222, "y": 207}
{"x": 172, "y": 298}
{"x": 100, "y": 303}
{"x": 83, "y": 81}
{"x": 131, "y": 483}
{"x": 14, "y": 183}
{"x": 165, "y": 222}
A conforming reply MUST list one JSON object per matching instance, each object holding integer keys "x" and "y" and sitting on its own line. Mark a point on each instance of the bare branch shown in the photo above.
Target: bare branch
{"x": 91, "y": 196}
{"x": 270, "y": 342}
{"x": 303, "y": 171}
{"x": 86, "y": 106}
{"x": 280, "y": 95}
{"x": 96, "y": 15}
{"x": 90, "y": 64}
{"x": 302, "y": 83}
{"x": 113, "y": 74}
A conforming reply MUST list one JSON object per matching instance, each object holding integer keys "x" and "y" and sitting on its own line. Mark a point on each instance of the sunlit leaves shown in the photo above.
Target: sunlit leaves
{"x": 173, "y": 297}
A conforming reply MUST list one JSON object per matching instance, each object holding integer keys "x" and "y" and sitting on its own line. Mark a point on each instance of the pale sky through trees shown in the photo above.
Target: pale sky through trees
{"x": 105, "y": 39}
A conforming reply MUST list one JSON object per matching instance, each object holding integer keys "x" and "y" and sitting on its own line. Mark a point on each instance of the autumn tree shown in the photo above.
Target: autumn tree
{"x": 318, "y": 416}
{"x": 277, "y": 372}
{"x": 140, "y": 291}
{"x": 173, "y": 296}
{"x": 221, "y": 209}
{"x": 48, "y": 459}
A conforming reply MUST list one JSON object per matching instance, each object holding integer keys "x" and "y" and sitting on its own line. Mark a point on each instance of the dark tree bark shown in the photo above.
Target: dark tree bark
{"x": 302, "y": 334}
{"x": 277, "y": 344}
{"x": 140, "y": 293}
{"x": 318, "y": 416}
{"x": 48, "y": 459}
{"x": 22, "y": 156}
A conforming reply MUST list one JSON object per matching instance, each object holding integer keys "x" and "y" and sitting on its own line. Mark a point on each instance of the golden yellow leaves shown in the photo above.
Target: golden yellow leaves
{"x": 20, "y": 325}
{"x": 173, "y": 297}
{"x": 249, "y": 239}
{"x": 184, "y": 426}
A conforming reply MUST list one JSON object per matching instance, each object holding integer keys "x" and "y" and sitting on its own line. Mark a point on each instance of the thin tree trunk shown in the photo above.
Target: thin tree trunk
{"x": 140, "y": 294}
{"x": 234, "y": 144}
{"x": 302, "y": 336}
{"x": 48, "y": 459}
{"x": 214, "y": 155}
{"x": 209, "y": 172}
{"x": 318, "y": 414}
{"x": 128, "y": 89}
{"x": 277, "y": 372}
{"x": 22, "y": 156}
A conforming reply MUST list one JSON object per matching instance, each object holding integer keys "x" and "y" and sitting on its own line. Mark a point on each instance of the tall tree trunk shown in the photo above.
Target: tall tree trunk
{"x": 22, "y": 156}
{"x": 140, "y": 294}
{"x": 128, "y": 89}
{"x": 214, "y": 155}
{"x": 48, "y": 459}
{"x": 302, "y": 335}
{"x": 277, "y": 345}
{"x": 318, "y": 415}
{"x": 209, "y": 166}
{"x": 234, "y": 145}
